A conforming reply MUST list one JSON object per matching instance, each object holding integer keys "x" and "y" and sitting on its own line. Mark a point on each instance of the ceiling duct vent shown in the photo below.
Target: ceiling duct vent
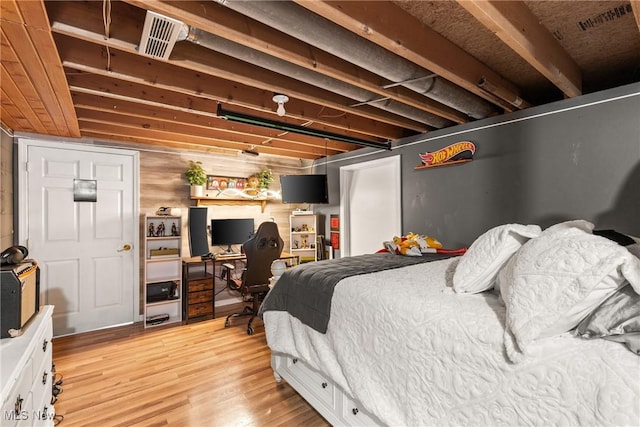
{"x": 160, "y": 34}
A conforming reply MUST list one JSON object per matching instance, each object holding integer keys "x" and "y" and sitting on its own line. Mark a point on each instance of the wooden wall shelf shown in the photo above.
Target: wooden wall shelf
{"x": 208, "y": 201}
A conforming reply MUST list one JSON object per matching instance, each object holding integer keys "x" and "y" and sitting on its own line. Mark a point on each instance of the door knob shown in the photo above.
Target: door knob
{"x": 125, "y": 248}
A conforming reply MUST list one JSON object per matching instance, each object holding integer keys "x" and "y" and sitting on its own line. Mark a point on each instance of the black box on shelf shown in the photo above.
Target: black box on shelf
{"x": 161, "y": 291}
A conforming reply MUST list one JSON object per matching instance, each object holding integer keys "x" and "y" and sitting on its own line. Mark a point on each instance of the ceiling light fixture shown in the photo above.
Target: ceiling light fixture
{"x": 280, "y": 100}
{"x": 272, "y": 124}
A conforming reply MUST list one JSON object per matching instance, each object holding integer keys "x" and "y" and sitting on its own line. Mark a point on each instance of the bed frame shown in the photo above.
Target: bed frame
{"x": 322, "y": 394}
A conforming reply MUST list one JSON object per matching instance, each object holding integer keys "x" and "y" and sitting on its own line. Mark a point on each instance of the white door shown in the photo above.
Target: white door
{"x": 370, "y": 205}
{"x": 78, "y": 219}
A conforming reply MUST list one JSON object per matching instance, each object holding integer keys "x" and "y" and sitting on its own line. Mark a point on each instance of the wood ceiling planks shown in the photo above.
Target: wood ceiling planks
{"x": 33, "y": 80}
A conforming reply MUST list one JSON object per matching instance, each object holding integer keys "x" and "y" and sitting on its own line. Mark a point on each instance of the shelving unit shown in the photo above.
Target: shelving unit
{"x": 163, "y": 270}
{"x": 303, "y": 229}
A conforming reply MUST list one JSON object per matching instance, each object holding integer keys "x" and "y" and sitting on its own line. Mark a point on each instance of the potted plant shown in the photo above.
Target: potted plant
{"x": 265, "y": 178}
{"x": 197, "y": 178}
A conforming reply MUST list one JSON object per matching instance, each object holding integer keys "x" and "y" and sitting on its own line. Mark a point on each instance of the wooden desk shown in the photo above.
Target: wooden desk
{"x": 199, "y": 284}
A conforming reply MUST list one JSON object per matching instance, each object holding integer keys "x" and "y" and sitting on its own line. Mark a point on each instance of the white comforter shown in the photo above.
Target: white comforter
{"x": 414, "y": 353}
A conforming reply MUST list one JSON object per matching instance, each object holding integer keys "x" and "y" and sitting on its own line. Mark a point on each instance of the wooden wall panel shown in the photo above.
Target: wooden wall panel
{"x": 6, "y": 190}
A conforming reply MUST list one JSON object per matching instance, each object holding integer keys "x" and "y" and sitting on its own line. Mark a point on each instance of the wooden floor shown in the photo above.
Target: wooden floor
{"x": 201, "y": 374}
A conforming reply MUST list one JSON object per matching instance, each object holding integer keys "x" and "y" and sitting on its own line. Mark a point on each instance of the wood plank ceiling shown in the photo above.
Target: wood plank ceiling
{"x": 372, "y": 71}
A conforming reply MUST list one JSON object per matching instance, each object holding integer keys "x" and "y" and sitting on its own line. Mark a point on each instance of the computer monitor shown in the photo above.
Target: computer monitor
{"x": 233, "y": 231}
{"x": 198, "y": 240}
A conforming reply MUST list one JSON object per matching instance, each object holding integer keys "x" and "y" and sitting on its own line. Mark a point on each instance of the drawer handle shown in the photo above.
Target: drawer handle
{"x": 324, "y": 385}
{"x": 295, "y": 361}
{"x": 355, "y": 411}
{"x": 17, "y": 407}
{"x": 45, "y": 343}
{"x": 45, "y": 375}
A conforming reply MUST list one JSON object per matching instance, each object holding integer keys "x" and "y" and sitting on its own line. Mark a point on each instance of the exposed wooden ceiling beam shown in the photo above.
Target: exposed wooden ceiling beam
{"x": 140, "y": 93}
{"x": 30, "y": 57}
{"x": 103, "y": 137}
{"x": 197, "y": 77}
{"x": 194, "y": 57}
{"x": 520, "y": 29}
{"x": 203, "y": 125}
{"x": 119, "y": 131}
{"x": 91, "y": 58}
{"x": 377, "y": 21}
{"x": 221, "y": 21}
{"x": 204, "y": 60}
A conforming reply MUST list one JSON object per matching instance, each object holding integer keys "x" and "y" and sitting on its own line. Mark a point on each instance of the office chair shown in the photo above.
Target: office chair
{"x": 261, "y": 250}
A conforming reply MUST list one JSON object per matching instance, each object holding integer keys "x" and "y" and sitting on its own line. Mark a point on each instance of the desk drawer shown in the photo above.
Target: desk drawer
{"x": 202, "y": 309}
{"x": 199, "y": 297}
{"x": 200, "y": 285}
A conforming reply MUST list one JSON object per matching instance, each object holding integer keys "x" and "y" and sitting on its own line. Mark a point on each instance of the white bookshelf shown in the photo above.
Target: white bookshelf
{"x": 163, "y": 269}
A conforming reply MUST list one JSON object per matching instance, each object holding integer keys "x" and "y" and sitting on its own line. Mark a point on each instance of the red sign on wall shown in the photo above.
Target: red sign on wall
{"x": 459, "y": 152}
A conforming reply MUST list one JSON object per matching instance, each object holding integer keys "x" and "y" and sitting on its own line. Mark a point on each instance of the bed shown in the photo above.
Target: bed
{"x": 514, "y": 332}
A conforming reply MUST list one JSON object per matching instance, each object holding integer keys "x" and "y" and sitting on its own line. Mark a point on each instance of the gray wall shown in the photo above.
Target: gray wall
{"x": 577, "y": 158}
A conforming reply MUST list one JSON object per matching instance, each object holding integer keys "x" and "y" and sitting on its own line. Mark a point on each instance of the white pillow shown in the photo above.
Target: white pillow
{"x": 478, "y": 267}
{"x": 558, "y": 278}
{"x": 580, "y": 224}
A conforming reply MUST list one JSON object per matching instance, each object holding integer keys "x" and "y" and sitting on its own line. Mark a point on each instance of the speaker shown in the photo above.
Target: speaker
{"x": 198, "y": 242}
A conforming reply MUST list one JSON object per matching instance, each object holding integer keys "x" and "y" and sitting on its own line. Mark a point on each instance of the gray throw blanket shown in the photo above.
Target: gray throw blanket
{"x": 306, "y": 291}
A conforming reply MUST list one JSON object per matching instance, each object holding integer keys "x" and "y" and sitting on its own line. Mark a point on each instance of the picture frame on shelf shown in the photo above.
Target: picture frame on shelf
{"x": 219, "y": 182}
{"x": 232, "y": 187}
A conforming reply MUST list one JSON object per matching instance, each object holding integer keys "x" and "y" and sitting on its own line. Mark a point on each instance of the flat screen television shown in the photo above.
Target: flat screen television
{"x": 233, "y": 231}
{"x": 304, "y": 189}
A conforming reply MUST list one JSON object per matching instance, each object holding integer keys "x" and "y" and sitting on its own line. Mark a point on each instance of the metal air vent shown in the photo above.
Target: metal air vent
{"x": 159, "y": 35}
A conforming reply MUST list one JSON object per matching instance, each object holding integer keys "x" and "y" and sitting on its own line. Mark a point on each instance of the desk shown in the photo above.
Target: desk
{"x": 199, "y": 284}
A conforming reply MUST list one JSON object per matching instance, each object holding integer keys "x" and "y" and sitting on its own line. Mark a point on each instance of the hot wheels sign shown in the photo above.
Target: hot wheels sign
{"x": 458, "y": 152}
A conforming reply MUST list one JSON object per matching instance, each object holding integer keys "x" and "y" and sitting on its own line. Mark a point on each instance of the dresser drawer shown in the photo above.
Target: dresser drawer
{"x": 354, "y": 415}
{"x": 42, "y": 374}
{"x": 43, "y": 411}
{"x": 18, "y": 404}
{"x": 200, "y": 297}
{"x": 202, "y": 309}
{"x": 322, "y": 389}
{"x": 42, "y": 353}
{"x": 200, "y": 285}
{"x": 25, "y": 367}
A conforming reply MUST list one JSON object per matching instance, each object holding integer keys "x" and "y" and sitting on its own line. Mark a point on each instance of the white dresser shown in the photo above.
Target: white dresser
{"x": 25, "y": 374}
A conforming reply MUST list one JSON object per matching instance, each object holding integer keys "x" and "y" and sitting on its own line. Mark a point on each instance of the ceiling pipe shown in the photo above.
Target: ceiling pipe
{"x": 317, "y": 31}
{"x": 252, "y": 56}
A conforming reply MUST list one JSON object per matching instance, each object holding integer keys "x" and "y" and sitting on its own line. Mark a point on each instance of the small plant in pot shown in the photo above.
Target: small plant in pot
{"x": 197, "y": 178}
{"x": 265, "y": 178}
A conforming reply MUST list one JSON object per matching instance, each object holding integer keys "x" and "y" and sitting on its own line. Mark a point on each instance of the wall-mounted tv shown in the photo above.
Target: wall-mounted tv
{"x": 304, "y": 189}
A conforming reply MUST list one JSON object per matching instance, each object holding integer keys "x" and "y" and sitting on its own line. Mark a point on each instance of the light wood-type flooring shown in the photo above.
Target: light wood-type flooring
{"x": 200, "y": 374}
